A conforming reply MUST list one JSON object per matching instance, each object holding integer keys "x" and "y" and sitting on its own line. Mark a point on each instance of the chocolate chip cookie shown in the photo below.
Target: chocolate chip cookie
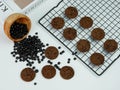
{"x": 28, "y": 74}
{"x": 69, "y": 33}
{"x": 67, "y": 72}
{"x": 57, "y": 23}
{"x": 83, "y": 45}
{"x": 51, "y": 52}
{"x": 48, "y": 71}
{"x": 97, "y": 59}
{"x": 98, "y": 34}
{"x": 86, "y": 22}
{"x": 110, "y": 45}
{"x": 71, "y": 12}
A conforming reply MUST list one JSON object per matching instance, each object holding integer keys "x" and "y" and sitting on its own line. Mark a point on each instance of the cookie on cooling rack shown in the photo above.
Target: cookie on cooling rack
{"x": 83, "y": 45}
{"x": 86, "y": 22}
{"x": 110, "y": 45}
{"x": 71, "y": 12}
{"x": 97, "y": 59}
{"x": 98, "y": 34}
{"x": 57, "y": 23}
{"x": 69, "y": 33}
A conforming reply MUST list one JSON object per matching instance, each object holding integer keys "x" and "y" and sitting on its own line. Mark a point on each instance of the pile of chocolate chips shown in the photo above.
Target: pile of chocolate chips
{"x": 18, "y": 30}
{"x": 29, "y": 50}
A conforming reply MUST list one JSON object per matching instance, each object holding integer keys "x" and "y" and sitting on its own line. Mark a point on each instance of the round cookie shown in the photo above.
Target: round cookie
{"x": 110, "y": 45}
{"x": 67, "y": 72}
{"x": 71, "y": 12}
{"x": 97, "y": 59}
{"x": 48, "y": 71}
{"x": 86, "y": 22}
{"x": 69, "y": 33}
{"x": 57, "y": 23}
{"x": 51, "y": 52}
{"x": 98, "y": 34}
{"x": 83, "y": 45}
{"x": 28, "y": 74}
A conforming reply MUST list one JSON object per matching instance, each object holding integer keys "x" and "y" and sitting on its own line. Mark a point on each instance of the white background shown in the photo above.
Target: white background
{"x": 84, "y": 78}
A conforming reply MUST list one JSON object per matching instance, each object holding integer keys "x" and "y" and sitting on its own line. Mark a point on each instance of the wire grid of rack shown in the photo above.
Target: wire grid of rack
{"x": 105, "y": 14}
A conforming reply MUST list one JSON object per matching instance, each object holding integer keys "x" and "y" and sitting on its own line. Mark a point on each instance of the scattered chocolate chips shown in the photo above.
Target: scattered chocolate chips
{"x": 68, "y": 60}
{"x": 71, "y": 12}
{"x": 28, "y": 74}
{"x": 110, "y": 45}
{"x": 36, "y": 33}
{"x": 47, "y": 44}
{"x": 36, "y": 71}
{"x": 67, "y": 72}
{"x": 98, "y": 34}
{"x": 83, "y": 45}
{"x": 28, "y": 49}
{"x": 16, "y": 61}
{"x": 97, "y": 59}
{"x": 18, "y": 30}
{"x": 48, "y": 71}
{"x": 35, "y": 83}
{"x": 62, "y": 52}
{"x": 57, "y": 67}
{"x": 59, "y": 47}
{"x": 59, "y": 63}
{"x": 57, "y": 23}
{"x": 33, "y": 67}
{"x": 70, "y": 33}
{"x": 74, "y": 58}
{"x": 51, "y": 52}
{"x": 49, "y": 62}
{"x": 86, "y": 22}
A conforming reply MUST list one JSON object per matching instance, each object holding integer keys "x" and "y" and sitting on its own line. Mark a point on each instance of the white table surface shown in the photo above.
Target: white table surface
{"x": 84, "y": 78}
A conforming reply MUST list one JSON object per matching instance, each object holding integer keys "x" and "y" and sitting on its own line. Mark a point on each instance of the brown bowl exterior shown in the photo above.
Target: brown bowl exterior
{"x": 16, "y": 17}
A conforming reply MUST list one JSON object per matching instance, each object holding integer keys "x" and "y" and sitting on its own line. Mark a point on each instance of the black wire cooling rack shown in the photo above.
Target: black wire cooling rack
{"x": 105, "y": 14}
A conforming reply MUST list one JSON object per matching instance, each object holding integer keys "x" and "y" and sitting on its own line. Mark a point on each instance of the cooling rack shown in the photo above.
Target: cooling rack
{"x": 105, "y": 14}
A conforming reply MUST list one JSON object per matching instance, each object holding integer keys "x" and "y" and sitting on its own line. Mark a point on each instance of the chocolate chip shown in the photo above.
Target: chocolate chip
{"x": 18, "y": 30}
